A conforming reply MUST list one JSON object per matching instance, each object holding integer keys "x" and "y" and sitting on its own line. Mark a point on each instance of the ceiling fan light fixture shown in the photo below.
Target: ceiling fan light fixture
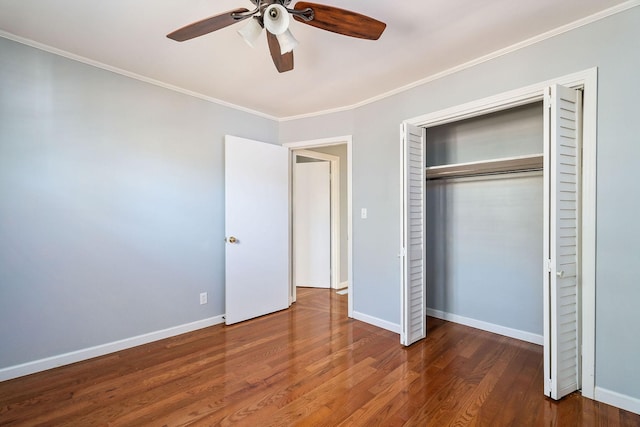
{"x": 251, "y": 32}
{"x": 276, "y": 19}
{"x": 287, "y": 42}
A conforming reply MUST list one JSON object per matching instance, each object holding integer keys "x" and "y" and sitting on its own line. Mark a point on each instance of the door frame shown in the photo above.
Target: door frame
{"x": 325, "y": 142}
{"x": 588, "y": 81}
{"x": 334, "y": 201}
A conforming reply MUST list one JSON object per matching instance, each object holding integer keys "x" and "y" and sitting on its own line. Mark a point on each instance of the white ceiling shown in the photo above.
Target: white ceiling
{"x": 423, "y": 38}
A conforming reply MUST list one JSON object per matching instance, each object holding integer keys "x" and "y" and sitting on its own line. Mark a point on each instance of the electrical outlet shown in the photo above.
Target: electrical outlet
{"x": 203, "y": 298}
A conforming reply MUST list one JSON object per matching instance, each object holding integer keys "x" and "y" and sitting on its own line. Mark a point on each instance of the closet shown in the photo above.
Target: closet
{"x": 484, "y": 220}
{"x": 490, "y": 210}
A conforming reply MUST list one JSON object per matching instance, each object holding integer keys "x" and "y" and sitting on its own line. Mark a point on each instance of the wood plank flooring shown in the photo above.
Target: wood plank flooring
{"x": 308, "y": 366}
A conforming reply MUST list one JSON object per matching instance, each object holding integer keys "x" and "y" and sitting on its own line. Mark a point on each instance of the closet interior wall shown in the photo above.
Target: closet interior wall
{"x": 484, "y": 232}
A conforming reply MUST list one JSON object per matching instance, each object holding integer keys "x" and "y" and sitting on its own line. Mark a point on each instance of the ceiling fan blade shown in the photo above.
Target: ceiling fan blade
{"x": 282, "y": 62}
{"x": 341, "y": 21}
{"x": 207, "y": 25}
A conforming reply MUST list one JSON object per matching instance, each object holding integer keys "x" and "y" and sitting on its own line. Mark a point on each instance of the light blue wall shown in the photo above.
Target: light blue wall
{"x": 513, "y": 132}
{"x": 111, "y": 205}
{"x": 317, "y": 127}
{"x": 611, "y": 44}
{"x": 484, "y": 249}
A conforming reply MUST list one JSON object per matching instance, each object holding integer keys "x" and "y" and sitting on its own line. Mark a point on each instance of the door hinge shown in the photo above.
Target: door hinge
{"x": 548, "y": 265}
{"x": 548, "y": 100}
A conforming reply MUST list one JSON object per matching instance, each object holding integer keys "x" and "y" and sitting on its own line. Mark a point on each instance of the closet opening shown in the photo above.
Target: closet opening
{"x": 484, "y": 221}
{"x": 463, "y": 193}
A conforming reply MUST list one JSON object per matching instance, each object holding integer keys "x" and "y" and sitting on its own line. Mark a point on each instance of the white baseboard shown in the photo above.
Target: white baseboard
{"x": 100, "y": 350}
{"x": 618, "y": 400}
{"x": 343, "y": 285}
{"x": 393, "y": 327}
{"x": 486, "y": 326}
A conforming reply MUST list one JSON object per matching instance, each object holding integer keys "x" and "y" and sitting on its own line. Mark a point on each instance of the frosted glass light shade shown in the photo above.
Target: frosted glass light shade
{"x": 276, "y": 19}
{"x": 251, "y": 32}
{"x": 287, "y": 42}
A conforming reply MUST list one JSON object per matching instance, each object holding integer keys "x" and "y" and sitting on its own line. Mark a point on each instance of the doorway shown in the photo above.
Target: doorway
{"x": 328, "y": 149}
{"x": 316, "y": 220}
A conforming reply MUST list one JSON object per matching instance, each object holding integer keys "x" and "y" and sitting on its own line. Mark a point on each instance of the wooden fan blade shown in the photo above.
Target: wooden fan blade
{"x": 207, "y": 25}
{"x": 341, "y": 21}
{"x": 282, "y": 62}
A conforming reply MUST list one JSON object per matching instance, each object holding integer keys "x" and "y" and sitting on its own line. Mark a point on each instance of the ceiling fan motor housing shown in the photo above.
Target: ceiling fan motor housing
{"x": 263, "y": 4}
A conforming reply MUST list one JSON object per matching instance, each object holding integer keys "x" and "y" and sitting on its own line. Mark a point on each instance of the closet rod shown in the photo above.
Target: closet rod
{"x": 481, "y": 174}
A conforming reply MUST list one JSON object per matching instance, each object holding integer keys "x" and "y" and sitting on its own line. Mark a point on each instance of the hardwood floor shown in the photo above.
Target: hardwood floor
{"x": 309, "y": 365}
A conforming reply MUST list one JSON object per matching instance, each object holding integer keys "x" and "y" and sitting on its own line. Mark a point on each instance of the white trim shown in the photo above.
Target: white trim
{"x": 343, "y": 285}
{"x": 130, "y": 74}
{"x": 100, "y": 350}
{"x": 588, "y": 229}
{"x": 334, "y": 201}
{"x": 324, "y": 142}
{"x": 486, "y": 58}
{"x": 486, "y": 326}
{"x": 503, "y": 101}
{"x": 628, "y": 403}
{"x": 380, "y": 323}
{"x": 588, "y": 80}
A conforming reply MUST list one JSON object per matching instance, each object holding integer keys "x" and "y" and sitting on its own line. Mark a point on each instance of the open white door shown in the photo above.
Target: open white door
{"x": 256, "y": 229}
{"x": 561, "y": 211}
{"x": 312, "y": 224}
{"x": 413, "y": 316}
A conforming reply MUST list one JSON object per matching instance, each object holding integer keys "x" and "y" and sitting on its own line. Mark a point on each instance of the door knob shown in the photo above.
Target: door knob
{"x": 232, "y": 240}
{"x": 560, "y": 273}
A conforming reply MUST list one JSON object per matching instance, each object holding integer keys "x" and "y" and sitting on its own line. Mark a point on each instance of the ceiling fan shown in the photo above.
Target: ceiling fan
{"x": 274, "y": 16}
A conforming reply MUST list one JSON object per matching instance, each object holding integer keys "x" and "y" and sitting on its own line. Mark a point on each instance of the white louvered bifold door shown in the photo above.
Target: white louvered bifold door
{"x": 413, "y": 320}
{"x": 562, "y": 121}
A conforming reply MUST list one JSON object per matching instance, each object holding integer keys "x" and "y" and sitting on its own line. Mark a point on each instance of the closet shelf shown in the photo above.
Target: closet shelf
{"x": 485, "y": 167}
